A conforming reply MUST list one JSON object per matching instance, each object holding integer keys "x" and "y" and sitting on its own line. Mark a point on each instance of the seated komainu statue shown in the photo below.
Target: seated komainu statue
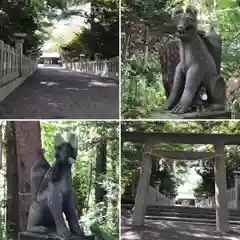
{"x": 199, "y": 66}
{"x": 53, "y": 194}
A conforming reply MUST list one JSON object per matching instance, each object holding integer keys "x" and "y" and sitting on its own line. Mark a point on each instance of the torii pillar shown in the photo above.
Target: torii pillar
{"x": 143, "y": 186}
{"x": 222, "y": 222}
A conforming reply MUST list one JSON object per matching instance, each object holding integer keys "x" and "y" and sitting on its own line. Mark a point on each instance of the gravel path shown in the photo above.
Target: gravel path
{"x": 54, "y": 93}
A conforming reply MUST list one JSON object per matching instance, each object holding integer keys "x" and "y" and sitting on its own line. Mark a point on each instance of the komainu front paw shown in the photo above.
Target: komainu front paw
{"x": 63, "y": 232}
{"x": 166, "y": 106}
{"x": 180, "y": 108}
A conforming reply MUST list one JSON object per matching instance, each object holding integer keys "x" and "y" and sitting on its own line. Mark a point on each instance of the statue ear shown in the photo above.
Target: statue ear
{"x": 72, "y": 140}
{"x": 177, "y": 11}
{"x": 58, "y": 140}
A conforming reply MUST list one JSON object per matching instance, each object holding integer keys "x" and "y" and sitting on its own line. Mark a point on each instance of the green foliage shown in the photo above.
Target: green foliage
{"x": 206, "y": 187}
{"x": 228, "y": 17}
{"x": 103, "y": 35}
{"x": 167, "y": 181}
{"x": 33, "y": 19}
{"x": 101, "y": 234}
{"x": 142, "y": 88}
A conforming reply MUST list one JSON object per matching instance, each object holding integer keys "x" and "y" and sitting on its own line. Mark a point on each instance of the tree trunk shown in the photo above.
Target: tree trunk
{"x": 101, "y": 168}
{"x": 1, "y": 144}
{"x": 125, "y": 45}
{"x": 12, "y": 182}
{"x": 145, "y": 46}
{"x": 23, "y": 149}
{"x": 169, "y": 58}
{"x": 115, "y": 176}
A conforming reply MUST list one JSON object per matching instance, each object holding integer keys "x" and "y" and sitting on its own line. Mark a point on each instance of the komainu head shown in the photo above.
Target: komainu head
{"x": 65, "y": 148}
{"x": 186, "y": 22}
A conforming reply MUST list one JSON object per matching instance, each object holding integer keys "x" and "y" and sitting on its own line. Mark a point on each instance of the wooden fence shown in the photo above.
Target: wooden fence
{"x": 104, "y": 68}
{"x": 232, "y": 200}
{"x": 11, "y": 66}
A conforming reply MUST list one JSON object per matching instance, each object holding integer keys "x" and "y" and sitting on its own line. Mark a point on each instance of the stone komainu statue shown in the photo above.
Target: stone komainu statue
{"x": 53, "y": 194}
{"x": 199, "y": 66}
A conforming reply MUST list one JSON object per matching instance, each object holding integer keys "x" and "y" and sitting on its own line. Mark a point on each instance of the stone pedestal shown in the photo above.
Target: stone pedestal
{"x": 36, "y": 236}
{"x": 223, "y": 114}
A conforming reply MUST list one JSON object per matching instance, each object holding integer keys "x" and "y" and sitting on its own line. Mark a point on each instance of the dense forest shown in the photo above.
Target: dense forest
{"x": 150, "y": 50}
{"x": 95, "y": 173}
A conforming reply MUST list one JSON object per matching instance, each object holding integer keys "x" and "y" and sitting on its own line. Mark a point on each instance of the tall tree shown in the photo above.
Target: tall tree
{"x": 101, "y": 167}
{"x": 23, "y": 148}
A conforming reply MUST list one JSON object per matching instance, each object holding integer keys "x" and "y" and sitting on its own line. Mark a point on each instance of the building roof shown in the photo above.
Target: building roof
{"x": 50, "y": 55}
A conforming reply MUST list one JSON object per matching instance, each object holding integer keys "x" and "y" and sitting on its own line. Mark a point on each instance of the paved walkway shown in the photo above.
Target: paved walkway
{"x": 168, "y": 230}
{"x": 54, "y": 93}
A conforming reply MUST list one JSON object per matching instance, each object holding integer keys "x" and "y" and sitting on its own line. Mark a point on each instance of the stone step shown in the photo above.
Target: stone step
{"x": 190, "y": 211}
{"x": 190, "y": 215}
{"x": 188, "y": 220}
{"x": 184, "y": 209}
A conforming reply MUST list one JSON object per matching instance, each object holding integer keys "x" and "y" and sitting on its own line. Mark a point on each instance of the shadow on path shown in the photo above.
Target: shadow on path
{"x": 52, "y": 93}
{"x": 169, "y": 230}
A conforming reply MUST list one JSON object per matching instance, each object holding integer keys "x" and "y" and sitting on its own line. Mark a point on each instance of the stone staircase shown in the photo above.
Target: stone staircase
{"x": 184, "y": 214}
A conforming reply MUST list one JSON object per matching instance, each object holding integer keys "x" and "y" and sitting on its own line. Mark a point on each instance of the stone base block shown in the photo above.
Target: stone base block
{"x": 224, "y": 114}
{"x": 36, "y": 236}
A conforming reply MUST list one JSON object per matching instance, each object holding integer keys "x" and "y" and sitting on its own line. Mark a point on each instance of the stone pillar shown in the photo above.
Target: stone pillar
{"x": 1, "y": 59}
{"x": 19, "y": 40}
{"x": 221, "y": 197}
{"x": 34, "y": 58}
{"x": 142, "y": 191}
{"x": 81, "y": 62}
{"x": 237, "y": 188}
{"x": 97, "y": 57}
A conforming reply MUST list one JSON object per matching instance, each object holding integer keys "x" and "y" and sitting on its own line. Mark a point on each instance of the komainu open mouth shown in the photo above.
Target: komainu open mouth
{"x": 184, "y": 30}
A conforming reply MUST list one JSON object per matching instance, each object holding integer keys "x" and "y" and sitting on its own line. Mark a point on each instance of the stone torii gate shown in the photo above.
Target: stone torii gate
{"x": 150, "y": 139}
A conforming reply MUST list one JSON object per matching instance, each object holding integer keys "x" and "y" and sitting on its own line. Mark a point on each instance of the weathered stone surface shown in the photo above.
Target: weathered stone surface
{"x": 224, "y": 114}
{"x": 52, "y": 192}
{"x": 35, "y": 236}
{"x": 199, "y": 66}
